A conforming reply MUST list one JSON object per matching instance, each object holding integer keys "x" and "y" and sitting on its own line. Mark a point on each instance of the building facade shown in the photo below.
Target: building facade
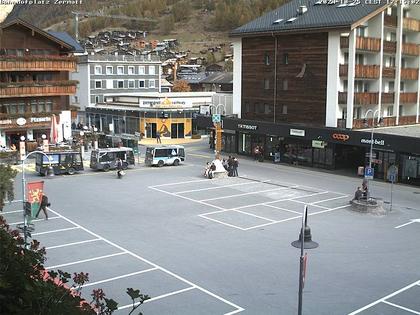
{"x": 34, "y": 83}
{"x": 104, "y": 75}
{"x": 307, "y": 74}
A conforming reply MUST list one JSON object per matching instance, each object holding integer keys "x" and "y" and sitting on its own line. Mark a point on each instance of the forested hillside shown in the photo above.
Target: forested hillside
{"x": 169, "y": 15}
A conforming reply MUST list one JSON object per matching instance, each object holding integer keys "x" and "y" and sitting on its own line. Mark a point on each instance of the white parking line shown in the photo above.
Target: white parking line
{"x": 292, "y": 211}
{"x": 125, "y": 251}
{"x": 56, "y": 231}
{"x": 384, "y": 298}
{"x": 85, "y": 260}
{"x": 254, "y": 215}
{"x": 8, "y": 212}
{"x": 401, "y": 307}
{"x": 159, "y": 297}
{"x": 74, "y": 243}
{"x": 248, "y": 193}
{"x": 335, "y": 198}
{"x": 221, "y": 222}
{"x": 36, "y": 220}
{"x": 119, "y": 277}
{"x": 217, "y": 187}
{"x": 179, "y": 183}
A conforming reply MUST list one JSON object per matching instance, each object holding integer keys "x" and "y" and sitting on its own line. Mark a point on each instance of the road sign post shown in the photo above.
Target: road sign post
{"x": 369, "y": 172}
{"x": 392, "y": 177}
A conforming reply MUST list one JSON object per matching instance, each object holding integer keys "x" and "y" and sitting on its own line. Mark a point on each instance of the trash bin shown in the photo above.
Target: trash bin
{"x": 360, "y": 170}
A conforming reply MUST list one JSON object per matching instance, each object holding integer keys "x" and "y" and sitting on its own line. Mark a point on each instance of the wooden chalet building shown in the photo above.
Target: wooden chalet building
{"x": 306, "y": 75}
{"x": 34, "y": 82}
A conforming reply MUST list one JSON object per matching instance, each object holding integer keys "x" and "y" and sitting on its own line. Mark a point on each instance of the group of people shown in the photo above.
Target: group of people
{"x": 259, "y": 153}
{"x": 361, "y": 192}
{"x": 229, "y": 165}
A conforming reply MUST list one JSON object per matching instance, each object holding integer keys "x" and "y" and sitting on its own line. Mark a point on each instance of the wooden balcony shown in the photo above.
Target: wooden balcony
{"x": 41, "y": 63}
{"x": 390, "y": 21}
{"x": 388, "y": 72}
{"x": 368, "y": 98}
{"x": 362, "y": 43}
{"x": 390, "y": 47}
{"x": 386, "y": 122}
{"x": 361, "y": 71}
{"x": 409, "y": 73}
{"x": 408, "y": 98}
{"x": 39, "y": 89}
{"x": 410, "y": 49}
{"x": 387, "y": 98}
{"x": 410, "y": 24}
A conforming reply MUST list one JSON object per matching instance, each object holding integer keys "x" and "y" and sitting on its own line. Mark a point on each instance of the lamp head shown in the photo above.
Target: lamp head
{"x": 82, "y": 133}
{"x": 22, "y": 138}
{"x": 44, "y": 136}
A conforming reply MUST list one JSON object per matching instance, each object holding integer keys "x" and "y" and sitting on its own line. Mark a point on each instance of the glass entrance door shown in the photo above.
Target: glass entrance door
{"x": 177, "y": 130}
{"x": 151, "y": 130}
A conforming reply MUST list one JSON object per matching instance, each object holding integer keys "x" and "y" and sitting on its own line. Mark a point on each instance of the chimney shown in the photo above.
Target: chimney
{"x": 302, "y": 9}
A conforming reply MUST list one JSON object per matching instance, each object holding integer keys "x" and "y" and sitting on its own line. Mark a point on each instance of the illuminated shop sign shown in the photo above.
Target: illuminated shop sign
{"x": 247, "y": 127}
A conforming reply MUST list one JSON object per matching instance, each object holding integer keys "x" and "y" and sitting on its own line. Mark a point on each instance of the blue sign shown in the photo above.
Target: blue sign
{"x": 216, "y": 118}
{"x": 392, "y": 177}
{"x": 369, "y": 172}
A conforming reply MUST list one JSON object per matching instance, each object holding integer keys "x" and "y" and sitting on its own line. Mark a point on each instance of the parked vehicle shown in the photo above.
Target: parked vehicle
{"x": 105, "y": 159}
{"x": 62, "y": 162}
{"x": 165, "y": 155}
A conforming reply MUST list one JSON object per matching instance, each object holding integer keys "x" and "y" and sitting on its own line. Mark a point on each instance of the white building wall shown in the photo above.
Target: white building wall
{"x": 237, "y": 76}
{"x": 82, "y": 90}
{"x": 333, "y": 79}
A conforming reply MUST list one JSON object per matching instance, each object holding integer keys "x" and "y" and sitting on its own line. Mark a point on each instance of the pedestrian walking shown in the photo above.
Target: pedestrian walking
{"x": 235, "y": 166}
{"x": 158, "y": 137}
{"x": 43, "y": 206}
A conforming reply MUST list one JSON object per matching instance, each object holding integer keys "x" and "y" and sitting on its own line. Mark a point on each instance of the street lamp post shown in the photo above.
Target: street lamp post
{"x": 25, "y": 215}
{"x": 374, "y": 114}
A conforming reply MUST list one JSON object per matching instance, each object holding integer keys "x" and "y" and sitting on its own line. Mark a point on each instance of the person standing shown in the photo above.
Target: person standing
{"x": 43, "y": 206}
{"x": 158, "y": 137}
{"x": 235, "y": 166}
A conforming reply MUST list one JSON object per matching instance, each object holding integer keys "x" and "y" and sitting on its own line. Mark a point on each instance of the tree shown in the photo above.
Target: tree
{"x": 7, "y": 175}
{"x": 181, "y": 86}
{"x": 27, "y": 288}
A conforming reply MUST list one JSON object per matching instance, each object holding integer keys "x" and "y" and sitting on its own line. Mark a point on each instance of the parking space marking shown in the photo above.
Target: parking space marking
{"x": 221, "y": 222}
{"x": 283, "y": 209}
{"x": 405, "y": 224}
{"x": 309, "y": 204}
{"x": 160, "y": 297}
{"x": 385, "y": 298}
{"x": 85, "y": 260}
{"x": 36, "y": 220}
{"x": 179, "y": 183}
{"x": 119, "y": 277}
{"x": 401, "y": 307}
{"x": 218, "y": 187}
{"x": 56, "y": 231}
{"x": 335, "y": 198}
{"x": 74, "y": 243}
{"x": 244, "y": 194}
{"x": 14, "y": 211}
{"x": 254, "y": 215}
{"x": 127, "y": 252}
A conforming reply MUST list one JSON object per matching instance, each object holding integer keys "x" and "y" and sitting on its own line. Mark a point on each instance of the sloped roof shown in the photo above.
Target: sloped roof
{"x": 65, "y": 37}
{"x": 319, "y": 15}
{"x": 38, "y": 30}
{"x": 219, "y": 78}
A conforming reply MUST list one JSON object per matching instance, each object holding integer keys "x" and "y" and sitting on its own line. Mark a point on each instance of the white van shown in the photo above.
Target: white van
{"x": 165, "y": 155}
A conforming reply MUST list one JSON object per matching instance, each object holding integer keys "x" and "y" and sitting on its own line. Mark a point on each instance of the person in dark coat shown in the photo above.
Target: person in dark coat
{"x": 43, "y": 206}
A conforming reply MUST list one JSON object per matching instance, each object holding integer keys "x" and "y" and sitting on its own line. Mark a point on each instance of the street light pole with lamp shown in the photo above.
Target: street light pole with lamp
{"x": 217, "y": 120}
{"x": 25, "y": 215}
{"x": 374, "y": 114}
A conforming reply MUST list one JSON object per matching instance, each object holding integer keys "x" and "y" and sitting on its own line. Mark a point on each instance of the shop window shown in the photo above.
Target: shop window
{"x": 266, "y": 84}
{"x": 267, "y": 59}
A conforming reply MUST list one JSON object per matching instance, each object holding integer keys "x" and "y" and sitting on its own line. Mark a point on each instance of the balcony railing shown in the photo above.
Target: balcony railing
{"x": 361, "y": 71}
{"x": 362, "y": 43}
{"x": 390, "y": 21}
{"x": 390, "y": 47}
{"x": 388, "y": 72}
{"x": 387, "y": 98}
{"x": 410, "y": 49}
{"x": 408, "y": 98}
{"x": 409, "y": 73}
{"x": 386, "y": 122}
{"x": 411, "y": 24}
{"x": 37, "y": 63}
{"x": 23, "y": 89}
{"x": 364, "y": 98}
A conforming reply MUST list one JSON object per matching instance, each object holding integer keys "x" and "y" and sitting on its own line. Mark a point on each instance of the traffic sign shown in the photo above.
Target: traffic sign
{"x": 216, "y": 118}
{"x": 369, "y": 172}
{"x": 392, "y": 178}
